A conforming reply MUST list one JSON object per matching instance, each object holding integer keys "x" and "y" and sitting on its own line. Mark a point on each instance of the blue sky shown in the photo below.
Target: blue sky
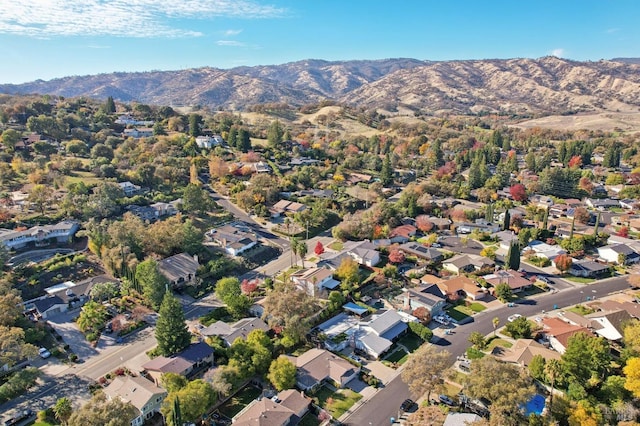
{"x": 45, "y": 39}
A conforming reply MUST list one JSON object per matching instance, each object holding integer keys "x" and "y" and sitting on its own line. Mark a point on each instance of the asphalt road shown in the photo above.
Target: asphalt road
{"x": 386, "y": 403}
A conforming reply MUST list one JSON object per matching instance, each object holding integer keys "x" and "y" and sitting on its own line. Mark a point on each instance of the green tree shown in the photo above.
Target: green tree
{"x": 421, "y": 330}
{"x": 505, "y": 385}
{"x": 520, "y": 328}
{"x": 92, "y": 317}
{"x": 260, "y": 338}
{"x": 537, "y": 367}
{"x": 195, "y": 399}
{"x": 553, "y": 370}
{"x": 585, "y": 357}
{"x": 506, "y": 223}
{"x": 172, "y": 333}
{"x": 100, "y": 411}
{"x": 495, "y": 322}
{"x": 230, "y": 292}
{"x": 477, "y": 340}
{"x": 386, "y": 174}
{"x": 176, "y": 414}
{"x": 503, "y": 292}
{"x": 152, "y": 282}
{"x": 41, "y": 196}
{"x": 425, "y": 370}
{"x": 195, "y": 121}
{"x": 282, "y": 373}
{"x": 110, "y": 105}
{"x": 10, "y": 138}
{"x": 513, "y": 256}
{"x": 63, "y": 409}
{"x": 287, "y": 307}
{"x": 195, "y": 199}
{"x": 173, "y": 382}
{"x": 274, "y": 134}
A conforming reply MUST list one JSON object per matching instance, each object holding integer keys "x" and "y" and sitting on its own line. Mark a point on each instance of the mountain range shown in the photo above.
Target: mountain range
{"x": 530, "y": 87}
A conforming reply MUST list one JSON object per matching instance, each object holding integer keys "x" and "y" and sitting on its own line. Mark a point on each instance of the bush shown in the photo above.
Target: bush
{"x": 18, "y": 383}
{"x": 92, "y": 337}
{"x": 73, "y": 357}
{"x": 214, "y": 315}
{"x": 473, "y": 353}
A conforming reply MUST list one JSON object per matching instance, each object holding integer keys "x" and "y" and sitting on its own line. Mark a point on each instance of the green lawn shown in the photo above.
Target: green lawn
{"x": 477, "y": 307}
{"x": 338, "y": 402}
{"x": 496, "y": 341}
{"x": 580, "y": 280}
{"x": 239, "y": 401}
{"x": 581, "y": 310}
{"x": 398, "y": 356}
{"x": 458, "y": 312}
{"x": 411, "y": 341}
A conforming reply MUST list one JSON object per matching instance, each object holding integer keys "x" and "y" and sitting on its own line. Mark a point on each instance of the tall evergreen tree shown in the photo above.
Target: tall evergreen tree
{"x": 172, "y": 334}
{"x": 232, "y": 137}
{"x": 244, "y": 140}
{"x": 513, "y": 256}
{"x": 507, "y": 220}
{"x": 195, "y": 121}
{"x": 386, "y": 174}
{"x": 110, "y": 105}
{"x": 176, "y": 414}
{"x": 546, "y": 218}
{"x": 274, "y": 134}
{"x": 595, "y": 228}
{"x": 573, "y": 227}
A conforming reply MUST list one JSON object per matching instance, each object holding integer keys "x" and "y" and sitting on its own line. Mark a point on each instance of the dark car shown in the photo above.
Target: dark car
{"x": 20, "y": 417}
{"x": 446, "y": 400}
{"x": 407, "y": 405}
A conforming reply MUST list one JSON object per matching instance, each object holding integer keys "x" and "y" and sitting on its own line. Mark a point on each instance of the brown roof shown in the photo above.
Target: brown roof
{"x": 136, "y": 390}
{"x": 562, "y": 330}
{"x": 168, "y": 365}
{"x": 403, "y": 231}
{"x": 320, "y": 364}
{"x": 632, "y": 309}
{"x": 265, "y": 412}
{"x": 523, "y": 352}
{"x": 293, "y": 400}
{"x": 430, "y": 279}
{"x": 514, "y": 279}
{"x": 453, "y": 285}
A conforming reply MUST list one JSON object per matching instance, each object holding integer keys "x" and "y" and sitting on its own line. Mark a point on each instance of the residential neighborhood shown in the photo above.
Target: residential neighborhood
{"x": 218, "y": 270}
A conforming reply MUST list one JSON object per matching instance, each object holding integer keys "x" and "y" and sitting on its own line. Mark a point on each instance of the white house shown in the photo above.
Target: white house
{"x": 61, "y": 232}
{"x": 613, "y": 252}
{"x": 313, "y": 281}
{"x": 363, "y": 252}
{"x": 143, "y": 132}
{"x": 129, "y": 188}
{"x": 208, "y": 142}
{"x": 234, "y": 240}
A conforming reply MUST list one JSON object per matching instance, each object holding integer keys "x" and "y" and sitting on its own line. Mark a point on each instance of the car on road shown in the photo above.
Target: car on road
{"x": 355, "y": 358}
{"x": 436, "y": 245}
{"x": 22, "y": 416}
{"x": 446, "y": 400}
{"x": 513, "y": 317}
{"x": 407, "y": 405}
{"x": 545, "y": 279}
{"x": 44, "y": 353}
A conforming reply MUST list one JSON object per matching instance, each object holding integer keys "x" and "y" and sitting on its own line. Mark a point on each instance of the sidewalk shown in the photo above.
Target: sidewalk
{"x": 366, "y": 396}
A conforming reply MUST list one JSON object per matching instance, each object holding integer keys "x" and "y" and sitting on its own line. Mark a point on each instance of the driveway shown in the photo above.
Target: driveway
{"x": 71, "y": 334}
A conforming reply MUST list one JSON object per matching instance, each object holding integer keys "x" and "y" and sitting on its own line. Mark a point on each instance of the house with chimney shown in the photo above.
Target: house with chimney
{"x": 186, "y": 363}
{"x": 317, "y": 366}
{"x": 234, "y": 240}
{"x": 143, "y": 394}
{"x": 285, "y": 409}
{"x": 179, "y": 269}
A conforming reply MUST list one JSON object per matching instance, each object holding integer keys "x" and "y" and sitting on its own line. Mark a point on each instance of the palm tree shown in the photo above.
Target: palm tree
{"x": 302, "y": 251}
{"x": 63, "y": 409}
{"x": 552, "y": 368}
{"x": 495, "y": 322}
{"x": 295, "y": 248}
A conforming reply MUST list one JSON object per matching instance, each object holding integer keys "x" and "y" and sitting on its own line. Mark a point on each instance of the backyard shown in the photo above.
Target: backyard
{"x": 236, "y": 403}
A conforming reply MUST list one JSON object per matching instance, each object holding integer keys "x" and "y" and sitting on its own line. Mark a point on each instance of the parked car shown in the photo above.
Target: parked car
{"x": 44, "y": 353}
{"x": 407, "y": 405}
{"x": 436, "y": 245}
{"x": 20, "y": 417}
{"x": 513, "y": 317}
{"x": 545, "y": 279}
{"x": 355, "y": 358}
{"x": 446, "y": 400}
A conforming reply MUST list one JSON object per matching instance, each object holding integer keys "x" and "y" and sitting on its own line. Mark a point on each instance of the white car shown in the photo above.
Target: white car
{"x": 44, "y": 353}
{"x": 513, "y": 317}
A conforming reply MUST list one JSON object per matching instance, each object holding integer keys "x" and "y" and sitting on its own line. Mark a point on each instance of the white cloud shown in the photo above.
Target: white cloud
{"x": 123, "y": 18}
{"x": 612, "y": 30}
{"x": 558, "y": 53}
{"x": 231, "y": 33}
{"x": 230, "y": 43}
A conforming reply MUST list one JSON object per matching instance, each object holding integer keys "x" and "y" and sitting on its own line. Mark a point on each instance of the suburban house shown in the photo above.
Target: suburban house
{"x": 315, "y": 281}
{"x": 142, "y": 132}
{"x": 232, "y": 239}
{"x": 286, "y": 408}
{"x": 363, "y": 252}
{"x": 440, "y": 223}
{"x": 588, "y": 269}
{"x": 191, "y": 360}
{"x": 614, "y": 253}
{"x": 461, "y": 419}
{"x": 179, "y": 269}
{"x": 541, "y": 201}
{"x": 40, "y": 236}
{"x": 283, "y": 207}
{"x": 154, "y": 211}
{"x": 317, "y": 366}
{"x": 140, "y": 392}
{"x": 208, "y": 142}
{"x": 633, "y": 309}
{"x": 523, "y": 351}
{"x": 129, "y": 188}
{"x": 422, "y": 252}
{"x": 505, "y": 237}
{"x": 467, "y": 263}
{"x": 609, "y": 324}
{"x": 230, "y": 332}
{"x": 402, "y": 233}
{"x": 130, "y": 120}
{"x": 461, "y": 286}
{"x": 558, "y": 332}
{"x": 601, "y": 203}
{"x": 547, "y": 251}
{"x": 61, "y": 297}
{"x": 430, "y": 298}
{"x": 516, "y": 281}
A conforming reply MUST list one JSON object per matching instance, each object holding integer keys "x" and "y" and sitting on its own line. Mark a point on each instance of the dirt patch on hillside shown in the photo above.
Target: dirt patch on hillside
{"x": 628, "y": 122}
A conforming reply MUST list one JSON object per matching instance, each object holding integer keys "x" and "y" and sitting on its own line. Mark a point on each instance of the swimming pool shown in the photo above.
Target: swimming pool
{"x": 535, "y": 405}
